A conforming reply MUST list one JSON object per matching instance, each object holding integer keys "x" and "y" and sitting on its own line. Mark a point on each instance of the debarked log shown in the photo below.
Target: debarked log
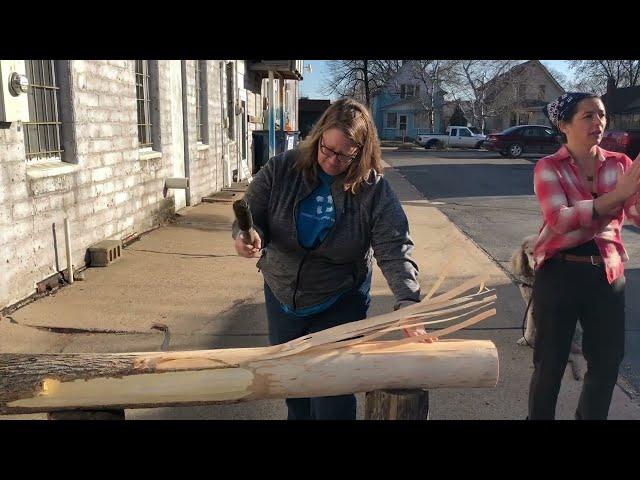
{"x": 32, "y": 383}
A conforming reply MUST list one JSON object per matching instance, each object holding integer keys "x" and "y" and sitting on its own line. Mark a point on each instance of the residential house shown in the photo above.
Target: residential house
{"x": 623, "y": 107}
{"x": 94, "y": 141}
{"x": 518, "y": 96}
{"x": 399, "y": 109}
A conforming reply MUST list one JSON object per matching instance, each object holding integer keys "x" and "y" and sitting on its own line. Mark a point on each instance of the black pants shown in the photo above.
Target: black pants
{"x": 284, "y": 327}
{"x": 563, "y": 293}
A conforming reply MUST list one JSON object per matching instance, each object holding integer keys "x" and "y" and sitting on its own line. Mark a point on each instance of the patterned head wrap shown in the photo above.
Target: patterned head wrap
{"x": 558, "y": 109}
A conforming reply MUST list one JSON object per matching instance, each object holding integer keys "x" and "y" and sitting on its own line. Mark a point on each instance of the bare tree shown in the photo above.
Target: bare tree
{"x": 435, "y": 77}
{"x": 561, "y": 78}
{"x": 479, "y": 82}
{"x": 359, "y": 79}
{"x": 594, "y": 75}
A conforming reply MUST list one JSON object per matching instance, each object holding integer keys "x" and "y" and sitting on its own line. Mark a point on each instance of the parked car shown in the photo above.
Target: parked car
{"x": 455, "y": 136}
{"x": 625, "y": 141}
{"x": 520, "y": 139}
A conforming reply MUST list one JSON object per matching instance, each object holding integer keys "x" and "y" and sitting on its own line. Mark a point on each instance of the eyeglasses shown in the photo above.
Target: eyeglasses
{"x": 341, "y": 157}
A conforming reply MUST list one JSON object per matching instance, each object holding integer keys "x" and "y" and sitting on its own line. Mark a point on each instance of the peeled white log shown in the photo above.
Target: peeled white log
{"x": 335, "y": 361}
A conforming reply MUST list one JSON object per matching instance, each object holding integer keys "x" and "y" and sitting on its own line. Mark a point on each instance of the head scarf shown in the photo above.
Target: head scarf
{"x": 558, "y": 109}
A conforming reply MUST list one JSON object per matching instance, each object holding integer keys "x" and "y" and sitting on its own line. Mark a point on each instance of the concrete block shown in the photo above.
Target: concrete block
{"x": 105, "y": 253}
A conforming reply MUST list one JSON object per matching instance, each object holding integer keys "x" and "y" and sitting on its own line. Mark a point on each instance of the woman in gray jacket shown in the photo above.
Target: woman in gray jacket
{"x": 321, "y": 212}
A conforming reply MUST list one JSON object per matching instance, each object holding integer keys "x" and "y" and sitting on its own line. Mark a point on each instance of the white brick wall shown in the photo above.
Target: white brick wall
{"x": 113, "y": 192}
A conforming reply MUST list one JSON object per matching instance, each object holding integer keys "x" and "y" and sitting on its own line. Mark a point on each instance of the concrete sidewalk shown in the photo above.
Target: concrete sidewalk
{"x": 186, "y": 275}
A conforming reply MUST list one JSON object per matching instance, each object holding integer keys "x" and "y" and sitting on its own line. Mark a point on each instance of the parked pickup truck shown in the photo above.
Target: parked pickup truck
{"x": 456, "y": 136}
{"x": 625, "y": 141}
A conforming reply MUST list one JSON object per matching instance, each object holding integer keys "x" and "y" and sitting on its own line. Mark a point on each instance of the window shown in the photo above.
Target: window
{"x": 230, "y": 101}
{"x": 42, "y": 132}
{"x": 392, "y": 120}
{"x": 454, "y": 132}
{"x": 201, "y": 101}
{"x": 464, "y": 132}
{"x": 522, "y": 90}
{"x": 530, "y": 132}
{"x": 143, "y": 100}
{"x": 542, "y": 90}
{"x": 408, "y": 91}
{"x": 548, "y": 132}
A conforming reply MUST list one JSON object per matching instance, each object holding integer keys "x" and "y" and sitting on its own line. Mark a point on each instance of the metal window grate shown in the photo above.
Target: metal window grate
{"x": 143, "y": 102}
{"x": 231, "y": 114}
{"x": 42, "y": 133}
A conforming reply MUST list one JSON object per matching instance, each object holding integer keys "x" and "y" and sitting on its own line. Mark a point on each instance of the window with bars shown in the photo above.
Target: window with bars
{"x": 143, "y": 99}
{"x": 231, "y": 114}
{"x": 42, "y": 133}
{"x": 201, "y": 101}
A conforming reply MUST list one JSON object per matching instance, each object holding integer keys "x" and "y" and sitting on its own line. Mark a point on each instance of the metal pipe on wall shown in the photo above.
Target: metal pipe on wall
{"x": 272, "y": 116}
{"x": 67, "y": 241}
{"x": 185, "y": 128}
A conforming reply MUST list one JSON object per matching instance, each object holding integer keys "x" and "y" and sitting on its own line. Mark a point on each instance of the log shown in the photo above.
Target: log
{"x": 50, "y": 382}
{"x": 345, "y": 359}
{"x": 397, "y": 405}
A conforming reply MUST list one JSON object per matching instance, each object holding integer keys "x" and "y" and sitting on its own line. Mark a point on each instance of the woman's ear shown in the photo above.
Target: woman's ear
{"x": 562, "y": 127}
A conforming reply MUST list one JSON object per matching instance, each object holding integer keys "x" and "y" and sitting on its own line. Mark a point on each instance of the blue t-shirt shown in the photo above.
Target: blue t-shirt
{"x": 316, "y": 217}
{"x": 316, "y": 214}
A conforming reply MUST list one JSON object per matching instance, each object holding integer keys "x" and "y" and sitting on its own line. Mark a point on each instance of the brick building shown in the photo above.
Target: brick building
{"x": 102, "y": 137}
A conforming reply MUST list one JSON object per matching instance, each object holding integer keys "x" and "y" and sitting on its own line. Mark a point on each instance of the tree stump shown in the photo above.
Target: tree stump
{"x": 397, "y": 405}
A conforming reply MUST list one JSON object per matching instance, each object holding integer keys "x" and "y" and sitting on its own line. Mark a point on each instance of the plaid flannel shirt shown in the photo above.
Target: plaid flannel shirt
{"x": 567, "y": 208}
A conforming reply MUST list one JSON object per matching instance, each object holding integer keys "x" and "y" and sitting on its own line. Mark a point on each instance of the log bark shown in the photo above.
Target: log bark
{"x": 50, "y": 382}
{"x": 397, "y": 405}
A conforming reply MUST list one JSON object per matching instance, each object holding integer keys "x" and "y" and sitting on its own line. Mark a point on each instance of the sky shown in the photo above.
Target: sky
{"x": 313, "y": 82}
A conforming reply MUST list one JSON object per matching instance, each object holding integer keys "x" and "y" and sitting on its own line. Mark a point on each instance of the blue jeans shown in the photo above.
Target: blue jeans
{"x": 284, "y": 327}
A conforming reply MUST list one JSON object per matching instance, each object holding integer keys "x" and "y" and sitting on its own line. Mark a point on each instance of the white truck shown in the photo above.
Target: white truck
{"x": 456, "y": 136}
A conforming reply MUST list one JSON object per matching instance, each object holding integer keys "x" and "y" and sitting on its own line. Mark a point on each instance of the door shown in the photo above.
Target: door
{"x": 402, "y": 125}
{"x": 177, "y": 130}
{"x": 532, "y": 140}
{"x": 452, "y": 137}
{"x": 465, "y": 138}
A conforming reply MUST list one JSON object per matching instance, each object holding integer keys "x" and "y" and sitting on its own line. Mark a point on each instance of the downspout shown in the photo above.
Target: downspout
{"x": 271, "y": 116}
{"x": 282, "y": 102}
{"x": 185, "y": 128}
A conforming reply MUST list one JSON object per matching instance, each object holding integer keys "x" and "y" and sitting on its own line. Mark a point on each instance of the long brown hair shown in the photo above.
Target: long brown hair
{"x": 354, "y": 120}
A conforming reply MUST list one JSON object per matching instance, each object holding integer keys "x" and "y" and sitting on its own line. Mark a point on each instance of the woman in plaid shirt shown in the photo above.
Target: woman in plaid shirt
{"x": 585, "y": 193}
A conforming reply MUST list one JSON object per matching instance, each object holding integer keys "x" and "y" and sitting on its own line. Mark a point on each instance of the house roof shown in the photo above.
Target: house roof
{"x": 404, "y": 104}
{"x": 622, "y": 100}
{"x": 520, "y": 68}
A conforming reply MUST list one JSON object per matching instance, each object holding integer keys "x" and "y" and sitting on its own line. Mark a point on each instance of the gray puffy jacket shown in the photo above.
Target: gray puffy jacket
{"x": 371, "y": 222}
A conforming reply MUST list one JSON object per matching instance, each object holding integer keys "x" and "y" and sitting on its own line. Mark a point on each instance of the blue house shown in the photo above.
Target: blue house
{"x": 399, "y": 109}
